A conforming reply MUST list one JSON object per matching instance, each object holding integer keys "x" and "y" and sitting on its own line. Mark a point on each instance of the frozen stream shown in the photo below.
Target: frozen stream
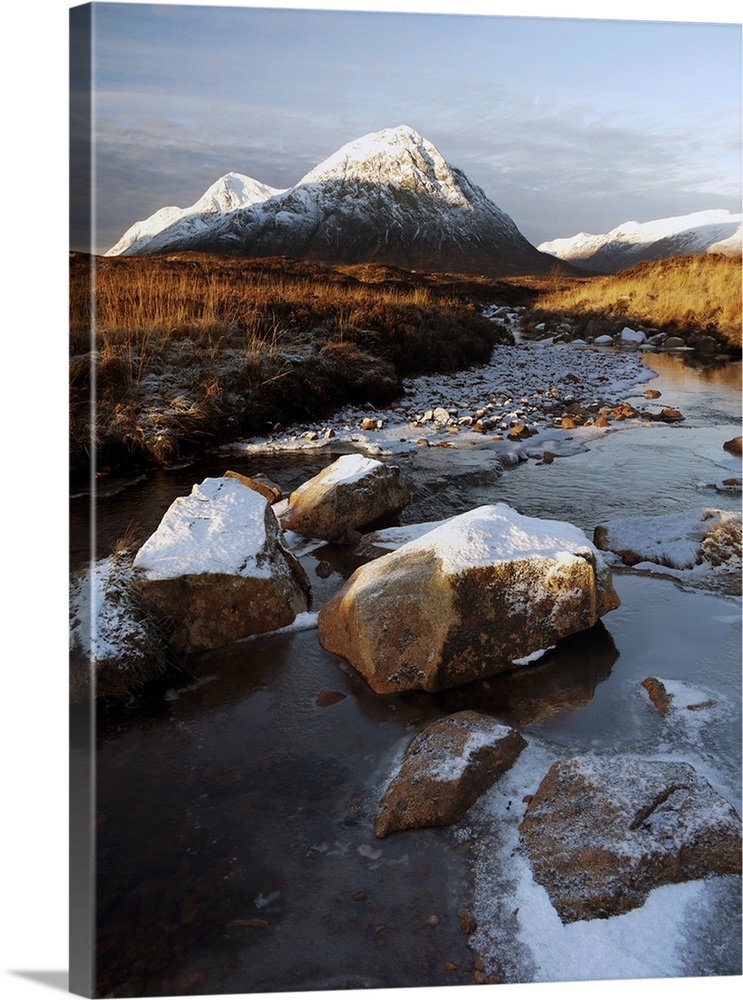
{"x": 235, "y": 805}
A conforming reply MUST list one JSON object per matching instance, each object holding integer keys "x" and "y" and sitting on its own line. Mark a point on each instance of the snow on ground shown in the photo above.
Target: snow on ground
{"x": 696, "y": 547}
{"x": 523, "y": 384}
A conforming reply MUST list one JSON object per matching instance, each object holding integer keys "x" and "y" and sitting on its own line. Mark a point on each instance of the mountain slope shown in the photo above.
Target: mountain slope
{"x": 713, "y": 231}
{"x": 226, "y": 194}
{"x": 388, "y": 197}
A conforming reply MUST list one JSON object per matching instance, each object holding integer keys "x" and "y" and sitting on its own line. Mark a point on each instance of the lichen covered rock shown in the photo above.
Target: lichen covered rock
{"x": 602, "y": 832}
{"x": 446, "y": 768}
{"x": 352, "y": 492}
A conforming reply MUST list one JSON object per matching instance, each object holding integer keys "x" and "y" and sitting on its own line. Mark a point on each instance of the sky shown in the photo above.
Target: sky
{"x": 568, "y": 124}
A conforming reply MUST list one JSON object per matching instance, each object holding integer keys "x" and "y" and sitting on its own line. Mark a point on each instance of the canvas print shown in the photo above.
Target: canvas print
{"x": 405, "y": 454}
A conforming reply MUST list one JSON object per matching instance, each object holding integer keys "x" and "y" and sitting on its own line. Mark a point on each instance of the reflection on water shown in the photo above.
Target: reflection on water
{"x": 236, "y": 801}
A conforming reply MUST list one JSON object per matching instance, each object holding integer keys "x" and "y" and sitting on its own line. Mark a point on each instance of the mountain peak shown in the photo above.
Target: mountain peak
{"x": 399, "y": 157}
{"x": 388, "y": 197}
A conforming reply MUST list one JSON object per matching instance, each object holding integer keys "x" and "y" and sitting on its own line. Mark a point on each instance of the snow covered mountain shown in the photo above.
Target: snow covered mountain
{"x": 225, "y": 195}
{"x": 388, "y": 197}
{"x": 713, "y": 231}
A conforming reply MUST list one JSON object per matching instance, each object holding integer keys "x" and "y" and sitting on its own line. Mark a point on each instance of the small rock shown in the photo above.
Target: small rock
{"x": 467, "y": 922}
{"x": 733, "y": 445}
{"x": 359, "y": 896}
{"x": 657, "y": 694}
{"x": 326, "y": 698}
{"x": 603, "y": 832}
{"x": 445, "y": 770}
{"x": 269, "y": 491}
{"x": 323, "y": 569}
{"x": 433, "y": 920}
{"x": 651, "y": 394}
{"x": 254, "y": 923}
{"x": 567, "y": 423}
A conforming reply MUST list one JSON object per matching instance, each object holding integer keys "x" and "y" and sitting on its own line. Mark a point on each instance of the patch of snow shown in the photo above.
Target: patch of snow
{"x": 104, "y": 622}
{"x": 219, "y": 528}
{"x": 519, "y": 933}
{"x": 498, "y": 533}
{"x": 532, "y": 657}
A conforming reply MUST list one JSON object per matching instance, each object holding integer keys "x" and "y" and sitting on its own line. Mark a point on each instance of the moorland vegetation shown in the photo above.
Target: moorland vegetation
{"x": 175, "y": 354}
{"x": 694, "y": 296}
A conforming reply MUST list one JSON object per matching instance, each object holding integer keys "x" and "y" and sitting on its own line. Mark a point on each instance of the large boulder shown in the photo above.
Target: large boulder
{"x": 352, "y": 492}
{"x": 217, "y": 569}
{"x": 602, "y": 832}
{"x": 466, "y": 600}
{"x": 445, "y": 770}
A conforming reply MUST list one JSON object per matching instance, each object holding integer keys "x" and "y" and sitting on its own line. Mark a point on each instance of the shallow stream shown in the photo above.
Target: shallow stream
{"x": 235, "y": 803}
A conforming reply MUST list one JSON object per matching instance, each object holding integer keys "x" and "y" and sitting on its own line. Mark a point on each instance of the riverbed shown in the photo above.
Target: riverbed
{"x": 235, "y": 802}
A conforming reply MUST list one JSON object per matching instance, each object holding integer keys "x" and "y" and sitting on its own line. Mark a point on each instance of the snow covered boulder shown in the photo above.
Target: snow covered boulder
{"x": 445, "y": 770}
{"x": 350, "y": 493}
{"x": 217, "y": 568}
{"x": 466, "y": 600}
{"x": 698, "y": 542}
{"x": 631, "y": 337}
{"x": 603, "y": 832}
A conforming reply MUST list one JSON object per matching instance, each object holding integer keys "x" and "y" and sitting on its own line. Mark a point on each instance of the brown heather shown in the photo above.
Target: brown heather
{"x": 171, "y": 355}
{"x": 695, "y": 294}
{"x": 187, "y": 350}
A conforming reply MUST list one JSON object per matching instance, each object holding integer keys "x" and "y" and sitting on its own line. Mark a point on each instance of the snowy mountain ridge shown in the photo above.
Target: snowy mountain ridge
{"x": 226, "y": 194}
{"x": 387, "y": 197}
{"x": 711, "y": 231}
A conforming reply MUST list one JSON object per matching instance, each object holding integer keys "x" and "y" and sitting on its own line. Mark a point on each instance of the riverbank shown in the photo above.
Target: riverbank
{"x": 192, "y": 351}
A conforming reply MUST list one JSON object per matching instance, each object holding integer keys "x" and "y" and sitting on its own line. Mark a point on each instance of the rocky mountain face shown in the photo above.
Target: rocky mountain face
{"x": 714, "y": 231}
{"x": 388, "y": 197}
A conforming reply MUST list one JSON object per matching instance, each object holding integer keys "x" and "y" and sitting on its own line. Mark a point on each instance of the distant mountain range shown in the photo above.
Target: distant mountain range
{"x": 388, "y": 197}
{"x": 714, "y": 231}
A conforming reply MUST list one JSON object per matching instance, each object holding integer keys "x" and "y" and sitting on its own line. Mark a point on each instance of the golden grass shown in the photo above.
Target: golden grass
{"x": 184, "y": 350}
{"x": 701, "y": 292}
